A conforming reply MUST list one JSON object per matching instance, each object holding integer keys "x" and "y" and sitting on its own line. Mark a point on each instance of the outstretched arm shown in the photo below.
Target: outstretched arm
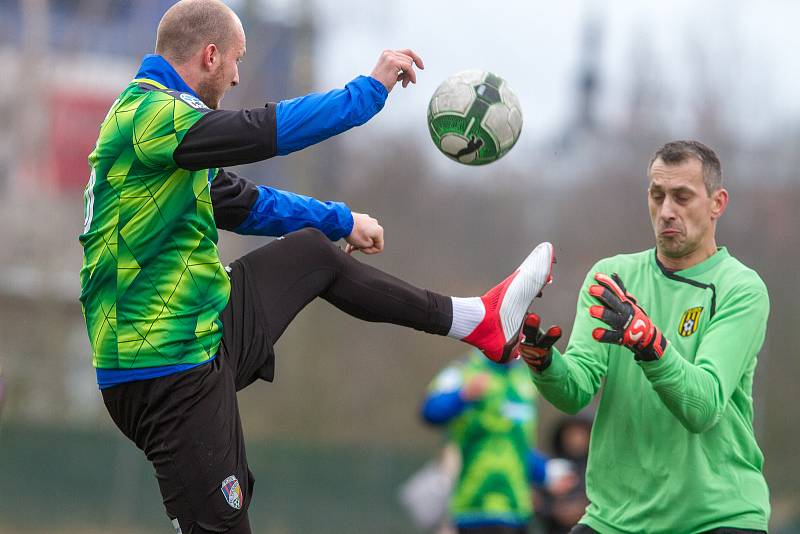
{"x": 450, "y": 394}
{"x": 224, "y": 138}
{"x": 243, "y": 207}
{"x": 310, "y": 119}
{"x": 569, "y": 382}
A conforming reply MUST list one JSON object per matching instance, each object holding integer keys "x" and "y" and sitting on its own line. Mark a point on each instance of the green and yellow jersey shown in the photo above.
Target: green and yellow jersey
{"x": 672, "y": 447}
{"x": 152, "y": 282}
{"x": 495, "y": 436}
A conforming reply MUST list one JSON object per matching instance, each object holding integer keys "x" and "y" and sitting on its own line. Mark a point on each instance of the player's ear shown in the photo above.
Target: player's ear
{"x": 719, "y": 201}
{"x": 211, "y": 57}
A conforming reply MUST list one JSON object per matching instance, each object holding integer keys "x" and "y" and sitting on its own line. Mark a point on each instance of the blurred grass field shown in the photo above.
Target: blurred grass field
{"x": 88, "y": 481}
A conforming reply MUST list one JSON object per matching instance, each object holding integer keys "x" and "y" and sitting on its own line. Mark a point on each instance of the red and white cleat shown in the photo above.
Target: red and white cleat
{"x": 506, "y": 303}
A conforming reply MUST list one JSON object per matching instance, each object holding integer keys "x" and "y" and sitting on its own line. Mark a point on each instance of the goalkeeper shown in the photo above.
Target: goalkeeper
{"x": 672, "y": 448}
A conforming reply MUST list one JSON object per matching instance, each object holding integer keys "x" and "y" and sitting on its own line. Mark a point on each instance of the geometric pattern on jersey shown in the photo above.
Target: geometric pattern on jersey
{"x": 494, "y": 436}
{"x": 152, "y": 284}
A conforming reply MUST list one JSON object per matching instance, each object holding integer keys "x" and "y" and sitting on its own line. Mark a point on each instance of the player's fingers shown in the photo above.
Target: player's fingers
{"x": 609, "y": 299}
{"x": 608, "y": 282}
{"x": 606, "y": 336}
{"x": 414, "y": 56}
{"x": 533, "y": 361}
{"x": 530, "y": 330}
{"x": 371, "y": 250}
{"x": 377, "y": 239}
{"x": 533, "y": 353}
{"x": 552, "y": 335}
{"x": 612, "y": 319}
{"x": 617, "y": 280}
{"x": 405, "y": 64}
{"x": 406, "y": 71}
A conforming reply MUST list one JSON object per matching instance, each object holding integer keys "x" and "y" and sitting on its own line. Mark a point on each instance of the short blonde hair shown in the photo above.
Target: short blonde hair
{"x": 193, "y": 24}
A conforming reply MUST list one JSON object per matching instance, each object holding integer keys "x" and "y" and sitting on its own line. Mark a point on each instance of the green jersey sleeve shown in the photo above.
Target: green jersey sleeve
{"x": 698, "y": 393}
{"x": 572, "y": 379}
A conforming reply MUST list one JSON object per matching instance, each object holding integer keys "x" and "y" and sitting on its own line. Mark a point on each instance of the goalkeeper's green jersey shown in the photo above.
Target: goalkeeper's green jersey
{"x": 672, "y": 448}
{"x": 494, "y": 436}
{"x": 152, "y": 282}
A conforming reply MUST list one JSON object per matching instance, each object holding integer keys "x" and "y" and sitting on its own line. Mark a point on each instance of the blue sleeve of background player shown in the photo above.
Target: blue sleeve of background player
{"x": 309, "y": 119}
{"x": 536, "y": 467}
{"x": 439, "y": 408}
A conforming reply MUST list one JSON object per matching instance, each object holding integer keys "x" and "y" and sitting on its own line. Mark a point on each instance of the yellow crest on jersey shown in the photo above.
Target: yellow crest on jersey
{"x": 689, "y": 321}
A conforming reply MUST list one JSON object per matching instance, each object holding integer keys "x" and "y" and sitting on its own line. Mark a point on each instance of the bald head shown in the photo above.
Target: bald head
{"x": 190, "y": 25}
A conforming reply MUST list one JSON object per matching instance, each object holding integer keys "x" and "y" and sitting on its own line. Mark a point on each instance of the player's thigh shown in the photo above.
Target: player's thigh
{"x": 288, "y": 273}
{"x": 246, "y": 346}
{"x": 269, "y": 287}
{"x": 201, "y": 466}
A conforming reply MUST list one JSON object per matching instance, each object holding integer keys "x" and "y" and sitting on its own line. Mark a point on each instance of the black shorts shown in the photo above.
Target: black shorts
{"x": 188, "y": 423}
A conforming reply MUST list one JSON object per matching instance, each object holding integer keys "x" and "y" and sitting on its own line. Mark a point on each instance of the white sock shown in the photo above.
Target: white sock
{"x": 467, "y": 315}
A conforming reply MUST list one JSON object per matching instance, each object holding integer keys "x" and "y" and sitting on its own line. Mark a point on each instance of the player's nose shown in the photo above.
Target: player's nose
{"x": 668, "y": 209}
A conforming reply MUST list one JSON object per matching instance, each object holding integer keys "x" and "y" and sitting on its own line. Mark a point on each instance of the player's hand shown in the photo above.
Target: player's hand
{"x": 630, "y": 325}
{"x": 560, "y": 477}
{"x": 397, "y": 66}
{"x": 475, "y": 388}
{"x": 366, "y": 236}
{"x": 536, "y": 346}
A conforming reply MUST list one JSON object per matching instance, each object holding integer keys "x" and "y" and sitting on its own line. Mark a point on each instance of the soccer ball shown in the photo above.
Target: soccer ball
{"x": 474, "y": 117}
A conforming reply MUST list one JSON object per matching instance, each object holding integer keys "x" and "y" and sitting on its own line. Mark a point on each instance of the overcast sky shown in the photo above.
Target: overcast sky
{"x": 747, "y": 48}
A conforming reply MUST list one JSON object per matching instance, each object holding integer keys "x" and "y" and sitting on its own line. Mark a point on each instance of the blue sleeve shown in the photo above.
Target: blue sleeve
{"x": 439, "y": 408}
{"x": 537, "y": 466}
{"x": 313, "y": 118}
{"x": 276, "y": 213}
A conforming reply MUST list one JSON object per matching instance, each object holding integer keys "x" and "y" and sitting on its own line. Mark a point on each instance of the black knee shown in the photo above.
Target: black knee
{"x": 317, "y": 248}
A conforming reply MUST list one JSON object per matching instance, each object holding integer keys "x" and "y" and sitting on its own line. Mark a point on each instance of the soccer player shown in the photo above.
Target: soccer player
{"x": 489, "y": 412}
{"x": 174, "y": 333}
{"x": 672, "y": 447}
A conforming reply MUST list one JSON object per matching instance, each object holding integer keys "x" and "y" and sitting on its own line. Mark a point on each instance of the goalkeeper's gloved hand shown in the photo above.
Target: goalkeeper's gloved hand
{"x": 535, "y": 346}
{"x": 630, "y": 325}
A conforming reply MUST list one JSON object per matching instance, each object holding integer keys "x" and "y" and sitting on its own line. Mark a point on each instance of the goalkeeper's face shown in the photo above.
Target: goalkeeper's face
{"x": 224, "y": 72}
{"x": 682, "y": 211}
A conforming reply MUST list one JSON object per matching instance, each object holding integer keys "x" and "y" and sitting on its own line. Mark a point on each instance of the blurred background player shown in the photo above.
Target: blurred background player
{"x": 174, "y": 334}
{"x": 2, "y": 391}
{"x": 489, "y": 412}
{"x": 673, "y": 447}
{"x": 557, "y": 512}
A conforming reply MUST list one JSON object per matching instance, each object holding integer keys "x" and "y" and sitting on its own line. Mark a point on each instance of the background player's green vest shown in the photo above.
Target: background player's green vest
{"x": 494, "y": 436}
{"x": 152, "y": 285}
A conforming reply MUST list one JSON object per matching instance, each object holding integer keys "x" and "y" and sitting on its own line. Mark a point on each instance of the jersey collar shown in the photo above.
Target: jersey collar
{"x": 155, "y": 69}
{"x": 695, "y": 270}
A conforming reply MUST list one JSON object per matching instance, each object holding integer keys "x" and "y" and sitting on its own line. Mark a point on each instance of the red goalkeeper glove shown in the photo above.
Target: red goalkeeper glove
{"x": 630, "y": 325}
{"x": 535, "y": 346}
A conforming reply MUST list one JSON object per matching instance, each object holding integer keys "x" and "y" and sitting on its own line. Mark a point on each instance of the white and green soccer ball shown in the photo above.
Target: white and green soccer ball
{"x": 474, "y": 117}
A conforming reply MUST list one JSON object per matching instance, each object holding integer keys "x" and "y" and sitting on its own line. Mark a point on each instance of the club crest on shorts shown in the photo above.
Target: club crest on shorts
{"x": 232, "y": 491}
{"x": 689, "y": 321}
